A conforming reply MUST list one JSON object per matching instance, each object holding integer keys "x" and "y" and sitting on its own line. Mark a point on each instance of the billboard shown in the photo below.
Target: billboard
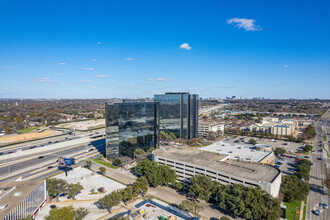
{"x": 66, "y": 161}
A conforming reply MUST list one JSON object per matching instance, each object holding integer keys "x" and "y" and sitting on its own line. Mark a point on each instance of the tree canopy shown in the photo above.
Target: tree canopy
{"x": 246, "y": 202}
{"x": 293, "y": 188}
{"x": 156, "y": 174}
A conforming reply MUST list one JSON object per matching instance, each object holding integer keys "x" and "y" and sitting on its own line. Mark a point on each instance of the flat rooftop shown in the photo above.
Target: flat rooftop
{"x": 213, "y": 161}
{"x": 24, "y": 187}
{"x": 235, "y": 151}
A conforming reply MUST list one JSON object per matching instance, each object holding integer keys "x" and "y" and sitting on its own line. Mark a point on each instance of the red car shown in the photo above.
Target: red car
{"x": 297, "y": 159}
{"x": 282, "y": 155}
{"x": 287, "y": 156}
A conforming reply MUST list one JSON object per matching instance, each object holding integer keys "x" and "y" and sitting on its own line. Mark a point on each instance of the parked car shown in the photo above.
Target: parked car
{"x": 297, "y": 159}
{"x": 10, "y": 152}
{"x": 52, "y": 206}
{"x": 1, "y": 153}
{"x": 316, "y": 212}
{"x": 40, "y": 157}
{"x": 277, "y": 166}
{"x": 50, "y": 167}
{"x": 325, "y": 206}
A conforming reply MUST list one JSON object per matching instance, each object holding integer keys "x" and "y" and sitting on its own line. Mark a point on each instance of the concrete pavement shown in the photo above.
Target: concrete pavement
{"x": 318, "y": 191}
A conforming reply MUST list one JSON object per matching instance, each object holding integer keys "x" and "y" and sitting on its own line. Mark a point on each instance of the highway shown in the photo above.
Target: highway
{"x": 318, "y": 191}
{"x": 45, "y": 142}
{"x": 40, "y": 162}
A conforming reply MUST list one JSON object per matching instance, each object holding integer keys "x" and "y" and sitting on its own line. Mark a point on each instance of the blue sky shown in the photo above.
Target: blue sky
{"x": 105, "y": 49}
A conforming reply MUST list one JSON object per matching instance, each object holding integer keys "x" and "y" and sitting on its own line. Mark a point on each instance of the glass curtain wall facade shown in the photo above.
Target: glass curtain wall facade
{"x": 178, "y": 114}
{"x": 131, "y": 125}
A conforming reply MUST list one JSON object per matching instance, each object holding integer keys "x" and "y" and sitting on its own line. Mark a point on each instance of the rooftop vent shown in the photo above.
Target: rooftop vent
{"x": 17, "y": 193}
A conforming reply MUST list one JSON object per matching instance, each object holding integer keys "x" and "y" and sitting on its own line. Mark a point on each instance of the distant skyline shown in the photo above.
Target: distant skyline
{"x": 106, "y": 49}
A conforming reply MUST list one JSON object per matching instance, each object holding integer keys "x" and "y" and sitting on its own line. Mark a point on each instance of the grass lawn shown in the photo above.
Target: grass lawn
{"x": 290, "y": 209}
{"x": 105, "y": 163}
{"x": 305, "y": 208}
{"x": 27, "y": 130}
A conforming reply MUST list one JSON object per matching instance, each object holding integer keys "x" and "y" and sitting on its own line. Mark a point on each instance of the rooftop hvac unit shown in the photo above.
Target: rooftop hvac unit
{"x": 17, "y": 193}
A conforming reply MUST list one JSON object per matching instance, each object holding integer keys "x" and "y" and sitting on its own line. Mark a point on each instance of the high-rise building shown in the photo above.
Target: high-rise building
{"x": 131, "y": 125}
{"x": 178, "y": 114}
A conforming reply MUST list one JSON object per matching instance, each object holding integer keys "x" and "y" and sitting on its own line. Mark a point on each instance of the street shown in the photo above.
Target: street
{"x": 318, "y": 191}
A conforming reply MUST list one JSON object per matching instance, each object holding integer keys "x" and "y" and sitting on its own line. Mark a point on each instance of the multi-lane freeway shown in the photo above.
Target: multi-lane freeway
{"x": 40, "y": 161}
{"x": 318, "y": 191}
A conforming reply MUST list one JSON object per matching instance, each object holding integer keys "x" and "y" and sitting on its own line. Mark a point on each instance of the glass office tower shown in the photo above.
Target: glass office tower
{"x": 131, "y": 125}
{"x": 178, "y": 114}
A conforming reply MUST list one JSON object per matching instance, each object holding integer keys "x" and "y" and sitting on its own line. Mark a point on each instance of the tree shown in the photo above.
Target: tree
{"x": 191, "y": 206}
{"x": 102, "y": 170}
{"x": 117, "y": 161}
{"x": 140, "y": 186}
{"x": 156, "y": 174}
{"x": 89, "y": 163}
{"x": 252, "y": 141}
{"x": 224, "y": 218}
{"x": 293, "y": 188}
{"x": 74, "y": 189}
{"x": 138, "y": 151}
{"x": 179, "y": 185}
{"x": 55, "y": 187}
{"x": 66, "y": 212}
{"x": 127, "y": 194}
{"x": 201, "y": 187}
{"x": 151, "y": 149}
{"x": 211, "y": 136}
{"x": 280, "y": 150}
{"x": 110, "y": 200}
{"x": 80, "y": 213}
{"x": 308, "y": 148}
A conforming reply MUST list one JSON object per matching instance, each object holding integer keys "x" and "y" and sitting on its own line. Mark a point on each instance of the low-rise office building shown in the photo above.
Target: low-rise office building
{"x": 21, "y": 199}
{"x": 273, "y": 126}
{"x": 188, "y": 162}
{"x": 204, "y": 128}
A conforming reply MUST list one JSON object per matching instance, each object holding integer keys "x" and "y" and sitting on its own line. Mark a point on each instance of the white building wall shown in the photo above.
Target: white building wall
{"x": 185, "y": 171}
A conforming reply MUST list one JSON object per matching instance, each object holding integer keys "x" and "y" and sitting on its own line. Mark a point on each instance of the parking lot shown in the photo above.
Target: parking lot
{"x": 291, "y": 147}
{"x": 288, "y": 165}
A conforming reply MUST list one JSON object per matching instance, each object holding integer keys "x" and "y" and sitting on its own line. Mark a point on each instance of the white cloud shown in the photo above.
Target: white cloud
{"x": 87, "y": 68}
{"x": 285, "y": 66}
{"x": 93, "y": 60}
{"x": 99, "y": 42}
{"x": 85, "y": 82}
{"x": 62, "y": 63}
{"x": 129, "y": 59}
{"x": 102, "y": 76}
{"x": 43, "y": 79}
{"x": 247, "y": 24}
{"x": 46, "y": 80}
{"x": 185, "y": 46}
{"x": 161, "y": 79}
{"x": 92, "y": 87}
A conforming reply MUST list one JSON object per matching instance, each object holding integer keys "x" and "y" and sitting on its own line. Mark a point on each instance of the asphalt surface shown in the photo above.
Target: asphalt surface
{"x": 318, "y": 191}
{"x": 44, "y": 142}
{"x": 33, "y": 162}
